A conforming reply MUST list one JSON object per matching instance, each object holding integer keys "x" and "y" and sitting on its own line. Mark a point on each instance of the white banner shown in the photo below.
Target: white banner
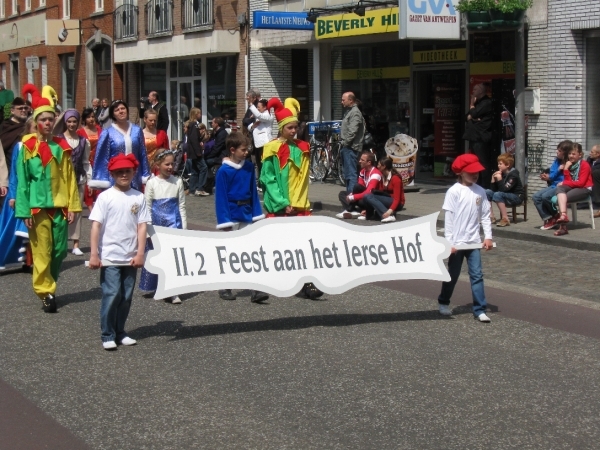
{"x": 279, "y": 255}
{"x": 429, "y": 19}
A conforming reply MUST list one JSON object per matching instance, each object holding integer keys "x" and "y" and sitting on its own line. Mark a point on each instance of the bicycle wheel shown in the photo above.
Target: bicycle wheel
{"x": 340, "y": 170}
{"x": 319, "y": 163}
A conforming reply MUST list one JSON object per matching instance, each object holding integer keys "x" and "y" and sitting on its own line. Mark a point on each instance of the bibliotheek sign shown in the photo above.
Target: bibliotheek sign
{"x": 429, "y": 19}
{"x": 279, "y": 255}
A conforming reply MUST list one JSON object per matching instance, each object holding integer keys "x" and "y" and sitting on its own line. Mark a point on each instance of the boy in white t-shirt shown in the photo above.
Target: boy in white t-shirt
{"x": 118, "y": 236}
{"x": 466, "y": 206}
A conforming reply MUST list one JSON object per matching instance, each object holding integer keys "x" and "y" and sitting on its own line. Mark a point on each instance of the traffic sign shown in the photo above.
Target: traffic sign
{"x": 32, "y": 62}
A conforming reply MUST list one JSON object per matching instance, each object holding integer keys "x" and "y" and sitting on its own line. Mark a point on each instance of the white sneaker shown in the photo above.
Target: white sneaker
{"x": 128, "y": 341}
{"x": 355, "y": 214}
{"x": 445, "y": 310}
{"x": 361, "y": 217}
{"x": 341, "y": 215}
{"x": 483, "y": 318}
{"x": 388, "y": 219}
{"x": 109, "y": 345}
{"x": 175, "y": 300}
{"x": 77, "y": 252}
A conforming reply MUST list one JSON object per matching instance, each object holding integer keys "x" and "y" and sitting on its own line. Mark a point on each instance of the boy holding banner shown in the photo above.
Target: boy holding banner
{"x": 465, "y": 206}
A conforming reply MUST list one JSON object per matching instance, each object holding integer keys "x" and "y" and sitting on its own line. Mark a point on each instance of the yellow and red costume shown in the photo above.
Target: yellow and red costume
{"x": 46, "y": 192}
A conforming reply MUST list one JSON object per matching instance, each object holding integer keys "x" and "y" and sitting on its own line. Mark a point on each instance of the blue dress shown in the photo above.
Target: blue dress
{"x": 13, "y": 232}
{"x": 166, "y": 199}
{"x": 111, "y": 143}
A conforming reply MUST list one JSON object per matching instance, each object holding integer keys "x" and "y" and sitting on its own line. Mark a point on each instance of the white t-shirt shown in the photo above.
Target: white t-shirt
{"x": 466, "y": 207}
{"x": 119, "y": 213}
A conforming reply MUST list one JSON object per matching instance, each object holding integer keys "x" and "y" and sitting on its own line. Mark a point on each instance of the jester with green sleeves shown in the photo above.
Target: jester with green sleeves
{"x": 285, "y": 170}
{"x": 47, "y": 196}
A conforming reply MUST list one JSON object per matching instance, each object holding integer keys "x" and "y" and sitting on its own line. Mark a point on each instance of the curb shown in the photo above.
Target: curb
{"x": 499, "y": 232}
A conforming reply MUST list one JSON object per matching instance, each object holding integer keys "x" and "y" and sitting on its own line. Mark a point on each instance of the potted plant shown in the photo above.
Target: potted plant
{"x": 477, "y": 13}
{"x": 508, "y": 14}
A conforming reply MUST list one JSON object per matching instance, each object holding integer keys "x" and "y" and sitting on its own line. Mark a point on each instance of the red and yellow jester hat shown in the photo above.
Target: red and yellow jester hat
{"x": 284, "y": 114}
{"x": 41, "y": 103}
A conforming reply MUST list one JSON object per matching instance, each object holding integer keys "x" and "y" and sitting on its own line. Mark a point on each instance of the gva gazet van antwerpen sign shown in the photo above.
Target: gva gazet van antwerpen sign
{"x": 374, "y": 21}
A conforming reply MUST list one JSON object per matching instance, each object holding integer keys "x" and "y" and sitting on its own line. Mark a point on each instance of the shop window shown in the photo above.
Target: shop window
{"x": 592, "y": 68}
{"x": 68, "y": 80}
{"x": 154, "y": 76}
{"x": 221, "y": 80}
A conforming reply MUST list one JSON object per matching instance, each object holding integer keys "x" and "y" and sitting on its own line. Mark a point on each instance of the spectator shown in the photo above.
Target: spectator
{"x": 388, "y": 197}
{"x": 542, "y": 199}
{"x": 160, "y": 107}
{"x": 506, "y": 189}
{"x": 96, "y": 106}
{"x": 11, "y": 129}
{"x": 6, "y": 97}
{"x": 219, "y": 150}
{"x": 478, "y": 130}
{"x": 594, "y": 162}
{"x": 154, "y": 139}
{"x": 368, "y": 179}
{"x": 260, "y": 130}
{"x": 252, "y": 97}
{"x": 91, "y": 131}
{"x": 103, "y": 114}
{"x": 576, "y": 186}
{"x": 352, "y": 135}
{"x": 195, "y": 150}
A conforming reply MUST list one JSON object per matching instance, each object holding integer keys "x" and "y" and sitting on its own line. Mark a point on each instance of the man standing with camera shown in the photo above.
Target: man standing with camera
{"x": 352, "y": 135}
{"x": 163, "y": 115}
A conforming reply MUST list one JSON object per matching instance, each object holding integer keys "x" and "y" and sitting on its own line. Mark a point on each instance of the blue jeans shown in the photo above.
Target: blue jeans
{"x": 508, "y": 198}
{"x": 542, "y": 201}
{"x": 117, "y": 284}
{"x": 198, "y": 174}
{"x": 350, "y": 165}
{"x": 475, "y": 275}
{"x": 380, "y": 203}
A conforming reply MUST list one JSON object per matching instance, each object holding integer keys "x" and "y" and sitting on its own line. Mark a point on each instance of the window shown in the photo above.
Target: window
{"x": 42, "y": 3}
{"x": 15, "y": 7}
{"x": 2, "y": 11}
{"x": 3, "y": 73}
{"x": 68, "y": 80}
{"x": 44, "y": 70}
{"x": 66, "y": 9}
{"x": 592, "y": 53}
{"x": 99, "y": 5}
{"x": 221, "y": 87}
{"x": 27, "y": 5}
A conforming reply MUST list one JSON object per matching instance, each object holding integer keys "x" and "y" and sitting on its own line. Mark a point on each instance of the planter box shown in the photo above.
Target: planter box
{"x": 507, "y": 21}
{"x": 479, "y": 20}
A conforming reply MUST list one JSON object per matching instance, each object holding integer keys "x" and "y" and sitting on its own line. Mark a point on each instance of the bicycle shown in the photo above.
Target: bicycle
{"x": 325, "y": 155}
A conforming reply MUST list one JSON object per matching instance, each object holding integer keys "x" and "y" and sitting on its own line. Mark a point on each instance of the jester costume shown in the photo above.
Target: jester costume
{"x": 284, "y": 174}
{"x": 46, "y": 192}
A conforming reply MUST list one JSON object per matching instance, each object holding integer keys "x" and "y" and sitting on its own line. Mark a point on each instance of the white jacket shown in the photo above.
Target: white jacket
{"x": 262, "y": 132}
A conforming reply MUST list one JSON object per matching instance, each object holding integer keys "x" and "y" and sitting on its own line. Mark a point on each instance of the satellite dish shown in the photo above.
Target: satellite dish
{"x": 62, "y": 35}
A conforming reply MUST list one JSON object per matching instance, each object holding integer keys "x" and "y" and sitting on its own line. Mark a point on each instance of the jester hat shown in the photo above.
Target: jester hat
{"x": 284, "y": 113}
{"x": 40, "y": 103}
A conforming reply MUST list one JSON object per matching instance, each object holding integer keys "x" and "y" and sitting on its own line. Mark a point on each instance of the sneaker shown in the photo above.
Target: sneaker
{"x": 49, "y": 303}
{"x": 445, "y": 310}
{"x": 388, "y": 219}
{"x": 361, "y": 217}
{"x": 128, "y": 341}
{"x": 483, "y": 318}
{"x": 342, "y": 215}
{"x": 175, "y": 300}
{"x": 77, "y": 251}
{"x": 549, "y": 224}
{"x": 202, "y": 193}
{"x": 503, "y": 223}
{"x": 258, "y": 296}
{"x": 109, "y": 345}
{"x": 226, "y": 294}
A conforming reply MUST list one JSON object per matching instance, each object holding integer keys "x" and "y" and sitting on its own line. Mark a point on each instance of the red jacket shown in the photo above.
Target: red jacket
{"x": 369, "y": 179}
{"x": 585, "y": 177}
{"x": 395, "y": 188}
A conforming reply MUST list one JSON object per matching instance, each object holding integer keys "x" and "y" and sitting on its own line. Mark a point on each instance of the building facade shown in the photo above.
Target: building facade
{"x": 79, "y": 68}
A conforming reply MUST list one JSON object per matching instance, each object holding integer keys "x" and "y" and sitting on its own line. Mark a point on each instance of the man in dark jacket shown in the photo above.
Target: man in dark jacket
{"x": 478, "y": 131}
{"x": 163, "y": 115}
{"x": 219, "y": 150}
{"x": 198, "y": 168}
{"x": 11, "y": 129}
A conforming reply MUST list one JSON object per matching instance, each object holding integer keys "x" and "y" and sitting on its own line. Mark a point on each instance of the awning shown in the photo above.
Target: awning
{"x": 585, "y": 24}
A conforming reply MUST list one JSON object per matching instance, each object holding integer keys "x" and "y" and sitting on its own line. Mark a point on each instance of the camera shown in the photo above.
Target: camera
{"x": 144, "y": 102}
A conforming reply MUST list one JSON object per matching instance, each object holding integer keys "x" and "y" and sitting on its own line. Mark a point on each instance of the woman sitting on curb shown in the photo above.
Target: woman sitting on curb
{"x": 576, "y": 187}
{"x": 507, "y": 188}
{"x": 388, "y": 197}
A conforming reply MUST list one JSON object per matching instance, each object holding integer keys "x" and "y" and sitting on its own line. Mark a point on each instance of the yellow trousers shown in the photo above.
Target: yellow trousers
{"x": 48, "y": 238}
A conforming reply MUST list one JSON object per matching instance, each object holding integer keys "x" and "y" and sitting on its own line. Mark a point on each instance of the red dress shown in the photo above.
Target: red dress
{"x": 87, "y": 198}
{"x": 160, "y": 141}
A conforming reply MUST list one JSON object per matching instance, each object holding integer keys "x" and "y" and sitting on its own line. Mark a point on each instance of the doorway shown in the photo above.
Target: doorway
{"x": 439, "y": 125}
{"x": 185, "y": 93}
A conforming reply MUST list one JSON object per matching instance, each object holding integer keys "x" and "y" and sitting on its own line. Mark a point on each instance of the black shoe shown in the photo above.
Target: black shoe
{"x": 259, "y": 297}
{"x": 49, "y": 303}
{"x": 226, "y": 294}
{"x": 311, "y": 291}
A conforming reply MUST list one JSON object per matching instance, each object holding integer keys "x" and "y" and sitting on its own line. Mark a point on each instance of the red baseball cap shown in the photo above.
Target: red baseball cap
{"x": 468, "y": 162}
{"x": 123, "y": 162}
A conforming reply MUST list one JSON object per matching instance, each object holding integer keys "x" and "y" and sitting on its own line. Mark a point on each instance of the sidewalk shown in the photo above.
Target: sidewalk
{"x": 430, "y": 197}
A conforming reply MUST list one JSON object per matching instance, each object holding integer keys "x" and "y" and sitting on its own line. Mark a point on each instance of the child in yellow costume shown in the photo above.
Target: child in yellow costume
{"x": 284, "y": 173}
{"x": 47, "y": 197}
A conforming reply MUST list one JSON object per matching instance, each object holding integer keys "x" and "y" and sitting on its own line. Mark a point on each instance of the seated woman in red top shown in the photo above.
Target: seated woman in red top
{"x": 576, "y": 187}
{"x": 388, "y": 197}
